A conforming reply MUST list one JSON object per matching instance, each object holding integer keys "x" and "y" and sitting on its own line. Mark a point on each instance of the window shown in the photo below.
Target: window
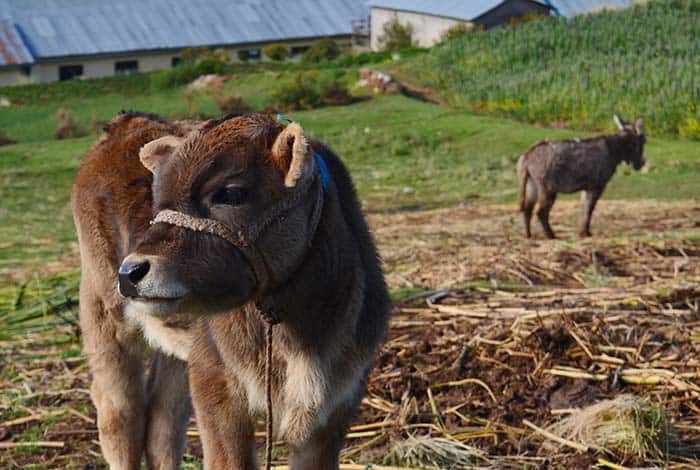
{"x": 126, "y": 67}
{"x": 67, "y": 72}
{"x": 296, "y": 50}
{"x": 26, "y": 70}
{"x": 175, "y": 62}
{"x": 248, "y": 54}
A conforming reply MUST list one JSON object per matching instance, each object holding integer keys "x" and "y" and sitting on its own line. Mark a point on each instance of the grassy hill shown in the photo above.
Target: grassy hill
{"x": 644, "y": 60}
{"x": 403, "y": 154}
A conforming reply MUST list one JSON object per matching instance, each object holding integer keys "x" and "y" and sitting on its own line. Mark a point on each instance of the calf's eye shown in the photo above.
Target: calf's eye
{"x": 231, "y": 196}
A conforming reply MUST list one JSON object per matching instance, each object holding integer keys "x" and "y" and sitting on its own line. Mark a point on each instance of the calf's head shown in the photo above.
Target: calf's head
{"x": 235, "y": 206}
{"x": 635, "y": 138}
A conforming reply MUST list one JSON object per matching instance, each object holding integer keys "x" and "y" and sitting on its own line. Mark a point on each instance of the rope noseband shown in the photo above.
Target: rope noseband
{"x": 244, "y": 238}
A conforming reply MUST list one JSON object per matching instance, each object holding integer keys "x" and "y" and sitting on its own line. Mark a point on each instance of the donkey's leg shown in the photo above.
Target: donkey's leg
{"x": 545, "y": 202}
{"x": 168, "y": 412}
{"x": 588, "y": 201}
{"x": 529, "y": 205}
{"x": 117, "y": 389}
{"x": 221, "y": 408}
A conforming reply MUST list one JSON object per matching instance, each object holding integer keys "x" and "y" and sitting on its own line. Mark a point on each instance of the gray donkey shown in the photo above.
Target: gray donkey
{"x": 568, "y": 166}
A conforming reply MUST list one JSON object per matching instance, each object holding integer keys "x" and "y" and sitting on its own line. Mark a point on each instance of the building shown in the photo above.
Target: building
{"x": 430, "y": 18}
{"x": 49, "y": 40}
{"x": 570, "y": 8}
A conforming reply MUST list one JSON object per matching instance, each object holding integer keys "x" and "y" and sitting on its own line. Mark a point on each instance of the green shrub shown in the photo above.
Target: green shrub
{"x": 690, "y": 128}
{"x": 324, "y": 50}
{"x": 301, "y": 92}
{"x": 455, "y": 31}
{"x": 335, "y": 93}
{"x": 243, "y": 55}
{"x": 396, "y": 36}
{"x": 276, "y": 51}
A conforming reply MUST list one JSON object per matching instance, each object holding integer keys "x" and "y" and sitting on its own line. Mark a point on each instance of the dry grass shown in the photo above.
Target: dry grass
{"x": 628, "y": 424}
{"x": 476, "y": 356}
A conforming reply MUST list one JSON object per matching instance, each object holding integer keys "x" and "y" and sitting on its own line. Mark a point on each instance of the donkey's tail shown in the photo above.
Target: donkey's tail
{"x": 522, "y": 176}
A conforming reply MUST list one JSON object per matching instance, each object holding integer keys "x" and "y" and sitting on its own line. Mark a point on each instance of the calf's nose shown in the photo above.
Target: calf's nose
{"x": 130, "y": 273}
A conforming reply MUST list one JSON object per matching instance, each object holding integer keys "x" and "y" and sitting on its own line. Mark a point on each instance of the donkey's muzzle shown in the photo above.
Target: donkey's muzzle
{"x": 130, "y": 274}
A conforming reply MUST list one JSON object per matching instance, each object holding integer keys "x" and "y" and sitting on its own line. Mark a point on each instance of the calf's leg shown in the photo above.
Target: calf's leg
{"x": 321, "y": 451}
{"x": 588, "y": 201}
{"x": 117, "y": 388}
{"x": 545, "y": 203}
{"x": 221, "y": 408}
{"x": 168, "y": 412}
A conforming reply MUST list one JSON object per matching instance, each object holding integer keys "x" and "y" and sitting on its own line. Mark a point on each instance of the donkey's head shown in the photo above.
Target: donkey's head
{"x": 236, "y": 205}
{"x": 635, "y": 138}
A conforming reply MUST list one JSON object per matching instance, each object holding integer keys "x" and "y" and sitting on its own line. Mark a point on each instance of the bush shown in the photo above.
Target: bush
{"x": 335, "y": 94}
{"x": 455, "y": 31}
{"x": 324, "y": 50}
{"x": 243, "y": 55}
{"x": 396, "y": 36}
{"x": 306, "y": 91}
{"x": 232, "y": 105}
{"x": 299, "y": 93}
{"x": 194, "y": 55}
{"x": 276, "y": 51}
{"x": 689, "y": 128}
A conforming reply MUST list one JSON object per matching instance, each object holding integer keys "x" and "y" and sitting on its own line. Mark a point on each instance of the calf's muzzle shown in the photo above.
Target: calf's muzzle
{"x": 130, "y": 273}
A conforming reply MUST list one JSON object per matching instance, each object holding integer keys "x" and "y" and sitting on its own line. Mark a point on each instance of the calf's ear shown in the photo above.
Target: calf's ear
{"x": 639, "y": 125}
{"x": 618, "y": 122}
{"x": 155, "y": 151}
{"x": 291, "y": 154}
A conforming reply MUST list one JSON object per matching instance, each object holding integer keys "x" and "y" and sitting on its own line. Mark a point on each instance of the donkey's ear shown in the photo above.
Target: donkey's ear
{"x": 639, "y": 126}
{"x": 155, "y": 151}
{"x": 618, "y": 122}
{"x": 291, "y": 154}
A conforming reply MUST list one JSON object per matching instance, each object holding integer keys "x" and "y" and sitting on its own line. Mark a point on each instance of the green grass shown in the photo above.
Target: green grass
{"x": 644, "y": 60}
{"x": 402, "y": 153}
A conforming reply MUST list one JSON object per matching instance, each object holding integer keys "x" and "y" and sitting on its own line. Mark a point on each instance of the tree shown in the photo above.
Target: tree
{"x": 396, "y": 36}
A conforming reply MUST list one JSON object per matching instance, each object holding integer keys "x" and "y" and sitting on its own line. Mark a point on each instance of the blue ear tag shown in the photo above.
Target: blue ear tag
{"x": 323, "y": 170}
{"x": 283, "y": 118}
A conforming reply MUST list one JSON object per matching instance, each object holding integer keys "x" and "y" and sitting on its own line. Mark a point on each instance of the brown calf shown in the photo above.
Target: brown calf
{"x": 112, "y": 209}
{"x": 243, "y": 219}
{"x": 568, "y": 166}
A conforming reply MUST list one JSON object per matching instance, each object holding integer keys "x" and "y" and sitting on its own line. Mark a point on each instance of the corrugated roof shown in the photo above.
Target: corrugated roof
{"x": 13, "y": 51}
{"x": 577, "y": 7}
{"x": 458, "y": 9}
{"x": 56, "y": 28}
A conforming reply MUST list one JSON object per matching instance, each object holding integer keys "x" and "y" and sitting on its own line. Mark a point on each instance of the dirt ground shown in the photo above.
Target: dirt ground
{"x": 493, "y": 334}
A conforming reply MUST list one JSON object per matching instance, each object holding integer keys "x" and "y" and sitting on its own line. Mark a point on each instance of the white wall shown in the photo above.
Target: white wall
{"x": 104, "y": 66}
{"x": 426, "y": 29}
{"x": 12, "y": 77}
{"x": 100, "y": 67}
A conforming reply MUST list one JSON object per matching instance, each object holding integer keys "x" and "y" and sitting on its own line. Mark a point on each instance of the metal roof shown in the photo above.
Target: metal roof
{"x": 458, "y": 9}
{"x": 577, "y": 7}
{"x": 12, "y": 49}
{"x": 57, "y": 28}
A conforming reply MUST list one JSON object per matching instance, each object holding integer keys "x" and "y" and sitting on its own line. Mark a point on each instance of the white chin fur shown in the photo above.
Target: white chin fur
{"x": 152, "y": 319}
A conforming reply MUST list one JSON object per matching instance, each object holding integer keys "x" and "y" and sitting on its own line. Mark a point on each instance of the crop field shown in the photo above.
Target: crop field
{"x": 577, "y": 72}
{"x": 502, "y": 352}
